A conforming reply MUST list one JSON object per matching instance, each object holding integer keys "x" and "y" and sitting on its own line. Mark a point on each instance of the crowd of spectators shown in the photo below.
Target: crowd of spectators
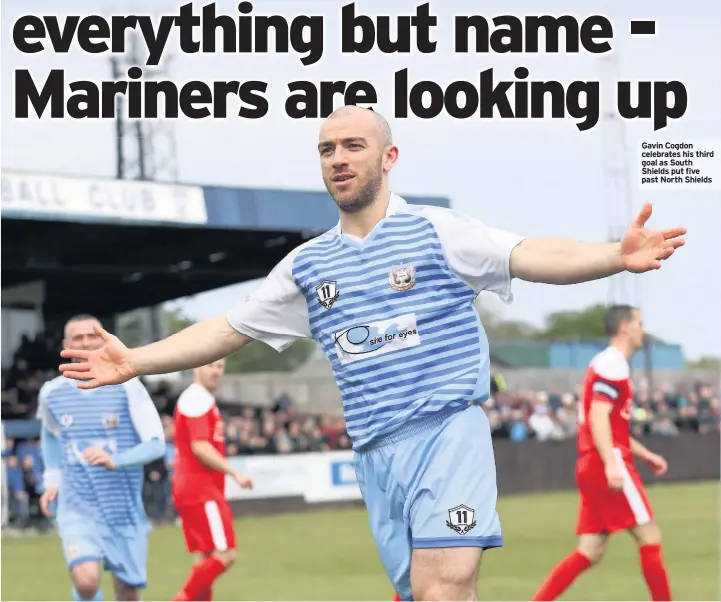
{"x": 518, "y": 415}
{"x": 553, "y": 415}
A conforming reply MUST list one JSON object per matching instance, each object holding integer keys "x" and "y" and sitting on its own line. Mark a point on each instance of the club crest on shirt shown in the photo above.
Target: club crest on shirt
{"x": 327, "y": 292}
{"x": 110, "y": 421}
{"x": 66, "y": 420}
{"x": 402, "y": 277}
{"x": 461, "y": 519}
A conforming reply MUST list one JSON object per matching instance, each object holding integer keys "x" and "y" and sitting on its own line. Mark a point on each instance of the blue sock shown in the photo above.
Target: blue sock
{"x": 96, "y": 598}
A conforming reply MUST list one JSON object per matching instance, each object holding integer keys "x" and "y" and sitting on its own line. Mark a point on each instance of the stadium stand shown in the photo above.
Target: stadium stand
{"x": 74, "y": 245}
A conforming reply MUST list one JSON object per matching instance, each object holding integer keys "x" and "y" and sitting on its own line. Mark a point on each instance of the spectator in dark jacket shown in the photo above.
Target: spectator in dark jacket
{"x": 156, "y": 489}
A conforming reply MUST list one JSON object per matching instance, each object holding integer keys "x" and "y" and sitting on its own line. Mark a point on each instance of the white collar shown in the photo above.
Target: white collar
{"x": 395, "y": 204}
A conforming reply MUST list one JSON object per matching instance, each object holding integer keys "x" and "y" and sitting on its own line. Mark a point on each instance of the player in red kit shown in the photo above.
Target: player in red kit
{"x": 612, "y": 494}
{"x": 199, "y": 483}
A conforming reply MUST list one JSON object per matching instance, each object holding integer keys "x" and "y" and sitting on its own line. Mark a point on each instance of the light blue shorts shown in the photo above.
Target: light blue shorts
{"x": 123, "y": 552}
{"x": 432, "y": 484}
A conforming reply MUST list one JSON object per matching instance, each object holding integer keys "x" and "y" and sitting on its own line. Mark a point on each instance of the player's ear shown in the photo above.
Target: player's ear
{"x": 390, "y": 156}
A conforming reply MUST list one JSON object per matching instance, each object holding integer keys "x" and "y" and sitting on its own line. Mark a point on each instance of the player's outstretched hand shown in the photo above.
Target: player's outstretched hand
{"x": 243, "y": 480}
{"x": 643, "y": 249}
{"x": 48, "y": 496}
{"x": 614, "y": 477}
{"x": 657, "y": 463}
{"x": 108, "y": 365}
{"x": 96, "y": 456}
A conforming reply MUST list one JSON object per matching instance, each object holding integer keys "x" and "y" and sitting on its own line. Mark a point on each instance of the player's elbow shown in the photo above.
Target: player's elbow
{"x": 157, "y": 449}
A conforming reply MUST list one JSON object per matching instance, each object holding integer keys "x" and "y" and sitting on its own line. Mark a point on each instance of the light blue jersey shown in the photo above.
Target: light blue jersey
{"x": 394, "y": 313}
{"x": 396, "y": 317}
{"x": 100, "y": 513}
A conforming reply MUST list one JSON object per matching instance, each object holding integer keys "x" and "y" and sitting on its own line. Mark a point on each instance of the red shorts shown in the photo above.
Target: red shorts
{"x": 208, "y": 526}
{"x": 603, "y": 510}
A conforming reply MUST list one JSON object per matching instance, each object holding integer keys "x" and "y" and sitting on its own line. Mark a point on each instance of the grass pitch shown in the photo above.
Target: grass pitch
{"x": 330, "y": 555}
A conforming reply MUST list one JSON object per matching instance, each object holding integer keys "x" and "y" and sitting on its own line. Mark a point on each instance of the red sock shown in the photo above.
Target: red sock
{"x": 562, "y": 576}
{"x": 205, "y": 596}
{"x": 396, "y": 597}
{"x": 654, "y": 571}
{"x": 201, "y": 579}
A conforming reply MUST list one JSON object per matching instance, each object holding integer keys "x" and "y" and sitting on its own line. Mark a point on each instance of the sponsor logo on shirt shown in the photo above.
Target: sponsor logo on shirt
{"x": 376, "y": 338}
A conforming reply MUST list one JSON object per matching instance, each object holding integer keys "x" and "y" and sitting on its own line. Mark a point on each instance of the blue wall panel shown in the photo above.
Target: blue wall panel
{"x": 578, "y": 354}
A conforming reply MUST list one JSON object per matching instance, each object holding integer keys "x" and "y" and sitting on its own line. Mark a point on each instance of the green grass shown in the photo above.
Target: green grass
{"x": 330, "y": 555}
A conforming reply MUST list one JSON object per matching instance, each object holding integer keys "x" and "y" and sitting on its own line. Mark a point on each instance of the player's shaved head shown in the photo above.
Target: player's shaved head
{"x": 382, "y": 128}
{"x": 356, "y": 152}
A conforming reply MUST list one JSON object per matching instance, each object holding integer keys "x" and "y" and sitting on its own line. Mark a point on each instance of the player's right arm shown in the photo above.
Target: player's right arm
{"x": 276, "y": 313}
{"x": 610, "y": 370}
{"x": 197, "y": 345}
{"x": 600, "y": 423}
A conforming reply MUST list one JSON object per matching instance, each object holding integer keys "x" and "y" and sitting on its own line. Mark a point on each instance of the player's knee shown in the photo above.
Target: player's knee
{"x": 86, "y": 579}
{"x": 594, "y": 552}
{"x": 648, "y": 534}
{"x": 227, "y": 557}
{"x": 86, "y": 586}
{"x": 126, "y": 593}
{"x": 440, "y": 590}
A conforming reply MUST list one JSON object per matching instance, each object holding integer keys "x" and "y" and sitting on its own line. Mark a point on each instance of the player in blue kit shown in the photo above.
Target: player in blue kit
{"x": 389, "y": 295}
{"x": 94, "y": 445}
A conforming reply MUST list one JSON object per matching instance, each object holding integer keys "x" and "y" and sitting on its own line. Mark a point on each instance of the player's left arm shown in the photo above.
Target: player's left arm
{"x": 50, "y": 448}
{"x": 148, "y": 426}
{"x": 563, "y": 261}
{"x": 50, "y": 452}
{"x": 655, "y": 461}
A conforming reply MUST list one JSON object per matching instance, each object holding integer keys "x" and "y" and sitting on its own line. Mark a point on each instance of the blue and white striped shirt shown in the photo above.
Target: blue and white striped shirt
{"x": 115, "y": 418}
{"x": 394, "y": 312}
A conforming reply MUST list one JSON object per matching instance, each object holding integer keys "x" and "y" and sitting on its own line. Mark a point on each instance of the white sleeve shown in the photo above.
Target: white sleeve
{"x": 143, "y": 412}
{"x": 43, "y": 414}
{"x": 276, "y": 313}
{"x": 195, "y": 401}
{"x": 611, "y": 365}
{"x": 479, "y": 255}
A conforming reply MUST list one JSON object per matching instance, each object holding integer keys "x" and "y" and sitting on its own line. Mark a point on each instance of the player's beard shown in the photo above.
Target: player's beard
{"x": 366, "y": 196}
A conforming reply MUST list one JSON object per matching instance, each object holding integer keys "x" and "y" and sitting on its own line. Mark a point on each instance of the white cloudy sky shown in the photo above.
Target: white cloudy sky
{"x": 541, "y": 178}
